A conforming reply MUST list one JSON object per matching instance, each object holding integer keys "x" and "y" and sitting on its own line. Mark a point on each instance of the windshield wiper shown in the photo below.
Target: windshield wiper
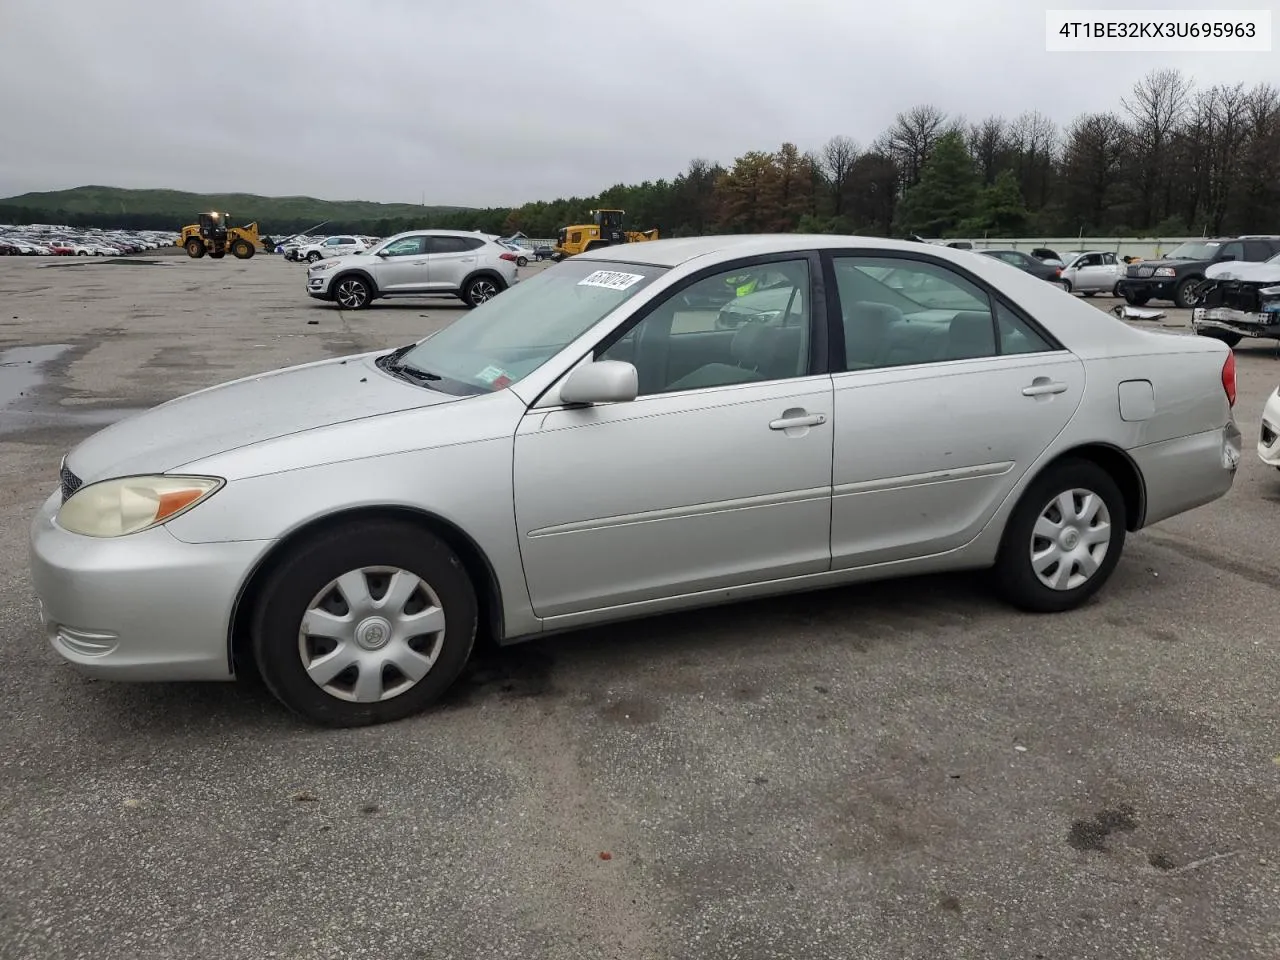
{"x": 394, "y": 364}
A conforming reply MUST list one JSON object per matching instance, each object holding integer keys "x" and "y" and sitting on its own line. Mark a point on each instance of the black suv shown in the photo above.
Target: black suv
{"x": 1175, "y": 276}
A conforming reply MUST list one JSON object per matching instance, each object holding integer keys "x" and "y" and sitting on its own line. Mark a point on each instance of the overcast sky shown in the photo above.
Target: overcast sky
{"x": 495, "y": 102}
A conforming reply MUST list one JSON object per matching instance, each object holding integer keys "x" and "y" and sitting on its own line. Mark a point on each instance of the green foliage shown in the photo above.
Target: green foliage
{"x": 947, "y": 193}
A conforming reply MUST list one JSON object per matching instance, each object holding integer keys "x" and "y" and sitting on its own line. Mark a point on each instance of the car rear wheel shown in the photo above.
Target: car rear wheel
{"x": 480, "y": 290}
{"x": 366, "y": 623}
{"x": 522, "y": 261}
{"x": 1136, "y": 299}
{"x": 1118, "y": 289}
{"x": 352, "y": 293}
{"x": 1063, "y": 539}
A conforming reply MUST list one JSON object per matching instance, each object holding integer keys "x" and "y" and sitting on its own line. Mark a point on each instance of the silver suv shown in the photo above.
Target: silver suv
{"x": 473, "y": 267}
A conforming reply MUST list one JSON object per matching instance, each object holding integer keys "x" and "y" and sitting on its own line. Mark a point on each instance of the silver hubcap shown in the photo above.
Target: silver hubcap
{"x": 371, "y": 634}
{"x": 483, "y": 290}
{"x": 351, "y": 293}
{"x": 1070, "y": 539}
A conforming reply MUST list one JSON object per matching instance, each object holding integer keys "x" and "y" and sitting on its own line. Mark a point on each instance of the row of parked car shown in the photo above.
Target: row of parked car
{"x": 43, "y": 240}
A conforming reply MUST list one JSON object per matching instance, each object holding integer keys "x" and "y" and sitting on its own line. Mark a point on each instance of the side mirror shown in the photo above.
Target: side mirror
{"x": 383, "y": 254}
{"x": 604, "y": 381}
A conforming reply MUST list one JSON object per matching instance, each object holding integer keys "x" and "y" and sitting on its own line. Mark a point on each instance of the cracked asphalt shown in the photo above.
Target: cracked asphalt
{"x": 899, "y": 770}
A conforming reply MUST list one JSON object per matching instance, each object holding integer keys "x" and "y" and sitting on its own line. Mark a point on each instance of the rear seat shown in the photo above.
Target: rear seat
{"x": 878, "y": 335}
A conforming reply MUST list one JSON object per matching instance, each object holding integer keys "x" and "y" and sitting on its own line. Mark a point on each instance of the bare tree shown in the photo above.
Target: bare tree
{"x": 1033, "y": 139}
{"x": 911, "y": 138}
{"x": 1259, "y": 201}
{"x": 989, "y": 145}
{"x": 838, "y": 156}
{"x": 1091, "y": 166}
{"x": 1157, "y": 108}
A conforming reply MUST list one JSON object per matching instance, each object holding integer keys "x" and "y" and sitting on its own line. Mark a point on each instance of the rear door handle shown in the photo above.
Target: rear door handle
{"x": 1042, "y": 386}
{"x": 806, "y": 420}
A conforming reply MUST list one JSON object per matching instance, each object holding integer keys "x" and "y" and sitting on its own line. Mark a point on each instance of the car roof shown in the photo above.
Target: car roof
{"x": 676, "y": 252}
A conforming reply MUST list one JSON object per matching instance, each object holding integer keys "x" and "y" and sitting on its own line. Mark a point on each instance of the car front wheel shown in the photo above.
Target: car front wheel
{"x": 366, "y": 623}
{"x": 312, "y": 257}
{"x": 352, "y": 293}
{"x": 1063, "y": 539}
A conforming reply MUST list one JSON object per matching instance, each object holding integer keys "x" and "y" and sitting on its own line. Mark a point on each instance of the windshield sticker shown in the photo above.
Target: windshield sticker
{"x": 491, "y": 374}
{"x": 611, "y": 280}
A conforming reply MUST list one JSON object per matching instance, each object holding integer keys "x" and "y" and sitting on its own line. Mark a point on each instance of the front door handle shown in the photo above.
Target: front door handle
{"x": 789, "y": 421}
{"x": 1043, "y": 386}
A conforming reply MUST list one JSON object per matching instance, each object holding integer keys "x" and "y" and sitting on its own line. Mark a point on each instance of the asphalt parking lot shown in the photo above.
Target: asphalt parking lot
{"x": 900, "y": 770}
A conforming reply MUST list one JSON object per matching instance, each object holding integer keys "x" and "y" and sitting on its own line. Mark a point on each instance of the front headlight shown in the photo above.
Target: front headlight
{"x": 322, "y": 265}
{"x": 1270, "y": 291}
{"x": 1165, "y": 271}
{"x": 114, "y": 508}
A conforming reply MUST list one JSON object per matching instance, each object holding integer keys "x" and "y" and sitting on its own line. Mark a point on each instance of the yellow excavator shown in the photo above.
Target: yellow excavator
{"x": 214, "y": 235}
{"x": 605, "y": 231}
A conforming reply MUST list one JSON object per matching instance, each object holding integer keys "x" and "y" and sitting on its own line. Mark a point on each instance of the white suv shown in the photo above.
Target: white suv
{"x": 473, "y": 267}
{"x": 331, "y": 247}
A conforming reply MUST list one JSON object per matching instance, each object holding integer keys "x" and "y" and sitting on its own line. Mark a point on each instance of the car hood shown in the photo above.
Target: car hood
{"x": 1266, "y": 272}
{"x": 246, "y": 411}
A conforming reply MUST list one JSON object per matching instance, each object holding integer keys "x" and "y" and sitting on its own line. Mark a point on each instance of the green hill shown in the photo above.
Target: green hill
{"x": 181, "y": 207}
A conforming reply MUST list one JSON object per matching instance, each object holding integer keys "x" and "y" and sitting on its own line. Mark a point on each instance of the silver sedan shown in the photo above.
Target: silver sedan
{"x": 594, "y": 445}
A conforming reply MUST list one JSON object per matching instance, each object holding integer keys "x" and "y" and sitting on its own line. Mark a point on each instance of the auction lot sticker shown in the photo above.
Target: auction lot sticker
{"x": 610, "y": 280}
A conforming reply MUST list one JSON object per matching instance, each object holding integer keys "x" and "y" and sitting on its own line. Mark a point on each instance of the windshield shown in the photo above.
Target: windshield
{"x": 1193, "y": 250}
{"x": 507, "y": 338}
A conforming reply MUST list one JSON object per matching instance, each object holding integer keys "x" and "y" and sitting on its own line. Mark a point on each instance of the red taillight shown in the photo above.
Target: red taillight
{"x": 508, "y": 256}
{"x": 1229, "y": 376}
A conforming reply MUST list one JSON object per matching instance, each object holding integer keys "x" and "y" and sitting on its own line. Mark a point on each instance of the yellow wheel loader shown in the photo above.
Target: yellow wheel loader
{"x": 605, "y": 231}
{"x": 215, "y": 236}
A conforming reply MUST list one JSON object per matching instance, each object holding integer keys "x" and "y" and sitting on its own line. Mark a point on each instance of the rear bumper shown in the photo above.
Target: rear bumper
{"x": 1188, "y": 472}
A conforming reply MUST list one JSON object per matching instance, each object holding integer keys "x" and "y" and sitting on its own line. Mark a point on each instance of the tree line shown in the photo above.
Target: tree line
{"x": 1171, "y": 159}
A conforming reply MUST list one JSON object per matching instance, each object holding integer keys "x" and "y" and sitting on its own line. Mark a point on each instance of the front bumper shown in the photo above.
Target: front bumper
{"x": 318, "y": 285}
{"x": 142, "y": 607}
{"x": 1153, "y": 288}
{"x": 1269, "y": 433}
{"x": 1237, "y": 321}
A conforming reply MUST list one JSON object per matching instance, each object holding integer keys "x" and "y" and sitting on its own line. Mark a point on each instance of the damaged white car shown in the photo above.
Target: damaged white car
{"x": 1239, "y": 299}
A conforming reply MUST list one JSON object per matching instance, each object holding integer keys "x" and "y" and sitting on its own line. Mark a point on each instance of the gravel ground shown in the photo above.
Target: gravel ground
{"x": 903, "y": 770}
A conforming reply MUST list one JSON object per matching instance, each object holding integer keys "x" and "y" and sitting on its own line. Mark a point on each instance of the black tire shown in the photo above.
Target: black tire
{"x": 1088, "y": 293}
{"x": 1118, "y": 289}
{"x": 242, "y": 249}
{"x": 195, "y": 249}
{"x": 82, "y": 253}
{"x": 480, "y": 290}
{"x": 352, "y": 293}
{"x": 313, "y": 256}
{"x": 277, "y": 641}
{"x": 1182, "y": 296}
{"x": 1015, "y": 575}
{"x": 1136, "y": 299}
{"x": 1066, "y": 285}
{"x": 522, "y": 261}
{"x": 1226, "y": 336}
{"x": 217, "y": 254}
